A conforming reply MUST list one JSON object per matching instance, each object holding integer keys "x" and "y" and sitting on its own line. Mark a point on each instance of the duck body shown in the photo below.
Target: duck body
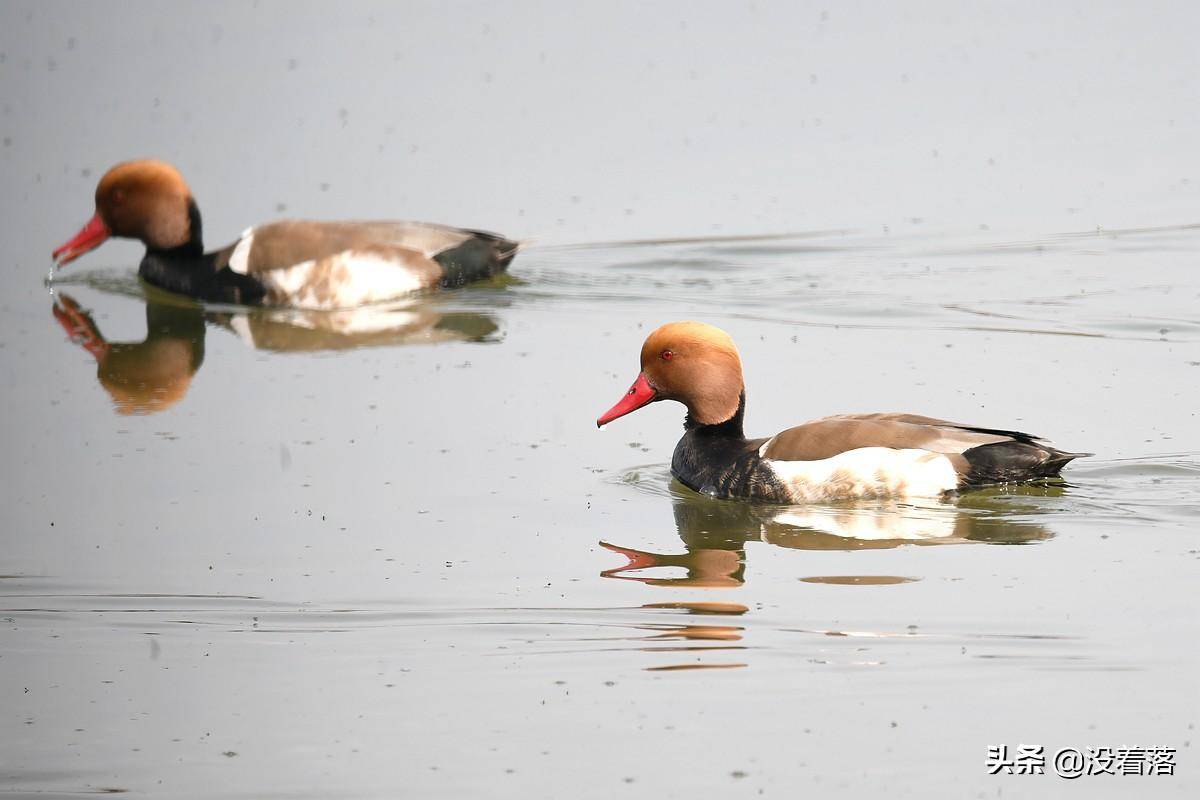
{"x": 293, "y": 263}
{"x": 329, "y": 265}
{"x": 852, "y": 456}
{"x": 858, "y": 457}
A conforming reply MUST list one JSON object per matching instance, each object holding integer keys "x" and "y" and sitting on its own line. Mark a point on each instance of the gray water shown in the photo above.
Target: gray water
{"x": 262, "y": 554}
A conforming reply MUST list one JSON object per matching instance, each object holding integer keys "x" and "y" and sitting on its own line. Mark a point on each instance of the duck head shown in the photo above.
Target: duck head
{"x": 146, "y": 200}
{"x": 690, "y": 362}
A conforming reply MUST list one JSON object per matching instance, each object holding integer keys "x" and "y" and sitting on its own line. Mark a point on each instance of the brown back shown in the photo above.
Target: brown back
{"x": 826, "y": 438}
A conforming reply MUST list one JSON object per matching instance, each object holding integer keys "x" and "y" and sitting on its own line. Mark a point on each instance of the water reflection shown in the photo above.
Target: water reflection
{"x": 295, "y": 330}
{"x": 141, "y": 377}
{"x": 706, "y": 632}
{"x": 695, "y": 640}
{"x": 715, "y": 533}
{"x": 154, "y": 374}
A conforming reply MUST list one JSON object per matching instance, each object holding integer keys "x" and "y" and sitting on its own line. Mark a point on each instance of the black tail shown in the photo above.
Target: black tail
{"x": 1010, "y": 462}
{"x": 481, "y": 256}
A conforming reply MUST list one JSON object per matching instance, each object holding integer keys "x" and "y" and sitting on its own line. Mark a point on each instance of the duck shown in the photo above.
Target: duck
{"x": 294, "y": 263}
{"x": 842, "y": 457}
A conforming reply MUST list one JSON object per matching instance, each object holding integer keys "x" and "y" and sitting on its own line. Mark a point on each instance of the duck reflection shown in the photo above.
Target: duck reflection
{"x": 697, "y": 638}
{"x": 295, "y": 330}
{"x": 715, "y": 532}
{"x": 152, "y": 375}
{"x": 704, "y": 632}
{"x": 141, "y": 377}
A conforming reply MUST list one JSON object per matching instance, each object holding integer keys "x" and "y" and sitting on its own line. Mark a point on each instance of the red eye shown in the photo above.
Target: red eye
{"x": 666, "y": 355}
{"x": 117, "y": 197}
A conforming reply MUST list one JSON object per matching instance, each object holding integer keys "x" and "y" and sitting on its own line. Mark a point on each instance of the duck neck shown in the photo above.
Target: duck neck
{"x": 190, "y": 250}
{"x": 729, "y": 429}
{"x": 181, "y": 268}
{"x": 720, "y": 461}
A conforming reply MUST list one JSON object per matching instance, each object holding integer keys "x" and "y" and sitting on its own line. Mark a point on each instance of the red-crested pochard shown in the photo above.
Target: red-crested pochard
{"x": 842, "y": 457}
{"x": 294, "y": 263}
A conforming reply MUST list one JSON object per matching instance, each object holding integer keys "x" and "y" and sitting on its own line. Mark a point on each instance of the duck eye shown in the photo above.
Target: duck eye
{"x": 666, "y": 355}
{"x": 117, "y": 197}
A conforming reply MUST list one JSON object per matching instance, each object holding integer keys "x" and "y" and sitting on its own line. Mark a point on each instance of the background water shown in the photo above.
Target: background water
{"x": 258, "y": 555}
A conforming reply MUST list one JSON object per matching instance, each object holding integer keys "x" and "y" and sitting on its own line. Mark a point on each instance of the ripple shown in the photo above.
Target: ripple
{"x": 840, "y": 279}
{"x": 1154, "y": 489}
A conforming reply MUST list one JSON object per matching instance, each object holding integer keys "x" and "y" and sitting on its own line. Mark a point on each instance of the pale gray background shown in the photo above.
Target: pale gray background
{"x": 376, "y": 572}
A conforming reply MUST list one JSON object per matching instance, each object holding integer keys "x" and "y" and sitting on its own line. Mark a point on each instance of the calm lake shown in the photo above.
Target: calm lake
{"x": 386, "y": 553}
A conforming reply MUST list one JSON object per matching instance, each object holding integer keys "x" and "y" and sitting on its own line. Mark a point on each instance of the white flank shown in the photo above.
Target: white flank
{"x": 288, "y": 284}
{"x": 345, "y": 280}
{"x": 240, "y": 257}
{"x": 864, "y": 473}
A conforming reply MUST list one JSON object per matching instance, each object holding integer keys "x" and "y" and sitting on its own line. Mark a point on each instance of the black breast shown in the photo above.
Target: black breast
{"x": 725, "y": 467}
{"x": 198, "y": 276}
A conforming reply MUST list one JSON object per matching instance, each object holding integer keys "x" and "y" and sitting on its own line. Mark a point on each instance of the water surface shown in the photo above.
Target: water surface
{"x": 386, "y": 553}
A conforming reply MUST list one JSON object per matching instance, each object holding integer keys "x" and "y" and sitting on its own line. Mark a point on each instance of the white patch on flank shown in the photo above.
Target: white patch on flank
{"x": 866, "y": 472}
{"x": 239, "y": 259}
{"x": 344, "y": 280}
{"x": 289, "y": 283}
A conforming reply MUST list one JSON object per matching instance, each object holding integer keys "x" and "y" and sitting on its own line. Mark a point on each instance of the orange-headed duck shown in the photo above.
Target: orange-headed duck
{"x": 841, "y": 457}
{"x": 294, "y": 263}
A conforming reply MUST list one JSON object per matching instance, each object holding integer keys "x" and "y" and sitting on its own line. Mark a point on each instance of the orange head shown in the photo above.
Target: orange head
{"x": 693, "y": 363}
{"x": 144, "y": 199}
